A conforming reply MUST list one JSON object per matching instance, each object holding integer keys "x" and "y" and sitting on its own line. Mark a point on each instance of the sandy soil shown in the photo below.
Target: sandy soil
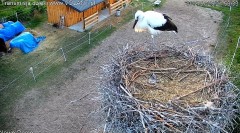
{"x": 73, "y": 106}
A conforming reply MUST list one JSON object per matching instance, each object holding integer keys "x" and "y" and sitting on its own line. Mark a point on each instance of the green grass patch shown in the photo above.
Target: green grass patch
{"x": 228, "y": 38}
{"x": 31, "y": 15}
{"x": 14, "y": 92}
{"x": 36, "y": 21}
{"x": 12, "y": 66}
{"x": 85, "y": 47}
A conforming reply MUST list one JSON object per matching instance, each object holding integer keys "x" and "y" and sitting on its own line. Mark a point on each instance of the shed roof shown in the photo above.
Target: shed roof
{"x": 81, "y": 5}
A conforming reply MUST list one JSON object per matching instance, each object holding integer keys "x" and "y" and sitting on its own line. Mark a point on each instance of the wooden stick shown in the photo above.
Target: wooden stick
{"x": 177, "y": 61}
{"x": 209, "y": 85}
{"x": 209, "y": 75}
{"x": 152, "y": 86}
{"x": 128, "y": 93}
{"x": 133, "y": 76}
{"x": 164, "y": 122}
{"x": 163, "y": 69}
{"x": 190, "y": 71}
{"x": 183, "y": 78}
{"x": 126, "y": 80}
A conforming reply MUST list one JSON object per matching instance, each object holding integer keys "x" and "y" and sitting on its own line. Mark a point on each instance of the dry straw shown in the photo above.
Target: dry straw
{"x": 167, "y": 91}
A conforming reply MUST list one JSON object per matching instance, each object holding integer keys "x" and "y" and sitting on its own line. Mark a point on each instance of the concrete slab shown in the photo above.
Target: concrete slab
{"x": 101, "y": 16}
{"x": 104, "y": 14}
{"x": 78, "y": 27}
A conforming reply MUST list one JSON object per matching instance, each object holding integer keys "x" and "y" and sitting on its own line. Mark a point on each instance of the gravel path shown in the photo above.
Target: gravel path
{"x": 73, "y": 105}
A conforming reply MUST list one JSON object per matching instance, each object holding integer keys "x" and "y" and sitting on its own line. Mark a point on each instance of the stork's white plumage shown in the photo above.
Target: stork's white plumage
{"x": 153, "y": 22}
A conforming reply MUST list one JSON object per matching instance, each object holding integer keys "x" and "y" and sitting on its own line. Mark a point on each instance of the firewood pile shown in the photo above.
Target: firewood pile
{"x": 167, "y": 91}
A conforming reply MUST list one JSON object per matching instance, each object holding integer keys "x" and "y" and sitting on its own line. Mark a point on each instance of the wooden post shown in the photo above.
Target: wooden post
{"x": 31, "y": 71}
{"x": 62, "y": 19}
{"x": 16, "y": 16}
{"x": 64, "y": 56}
{"x": 89, "y": 36}
{"x": 83, "y": 21}
{"x": 109, "y": 9}
{"x": 234, "y": 53}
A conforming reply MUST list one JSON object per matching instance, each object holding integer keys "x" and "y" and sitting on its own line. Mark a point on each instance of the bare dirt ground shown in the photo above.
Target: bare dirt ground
{"x": 73, "y": 105}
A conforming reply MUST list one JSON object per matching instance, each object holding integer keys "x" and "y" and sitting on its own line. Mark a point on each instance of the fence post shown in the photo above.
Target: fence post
{"x": 31, "y": 71}
{"x": 64, "y": 56}
{"x": 132, "y": 12}
{"x": 3, "y": 19}
{"x": 16, "y": 16}
{"x": 234, "y": 53}
{"x": 89, "y": 37}
{"x": 62, "y": 20}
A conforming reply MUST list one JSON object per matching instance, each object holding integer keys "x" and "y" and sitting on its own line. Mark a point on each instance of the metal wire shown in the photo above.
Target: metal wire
{"x": 51, "y": 55}
{"x": 46, "y": 58}
{"x": 76, "y": 46}
{"x": 49, "y": 66}
{"x": 76, "y": 41}
{"x": 234, "y": 54}
{"x": 97, "y": 34}
{"x": 13, "y": 81}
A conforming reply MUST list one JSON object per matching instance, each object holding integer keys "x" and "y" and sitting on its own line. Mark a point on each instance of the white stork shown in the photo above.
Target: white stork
{"x": 153, "y": 22}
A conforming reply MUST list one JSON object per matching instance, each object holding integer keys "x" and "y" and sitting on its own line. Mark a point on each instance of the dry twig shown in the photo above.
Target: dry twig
{"x": 140, "y": 107}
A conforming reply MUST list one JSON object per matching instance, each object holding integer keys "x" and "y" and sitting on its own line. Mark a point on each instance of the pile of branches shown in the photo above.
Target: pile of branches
{"x": 167, "y": 91}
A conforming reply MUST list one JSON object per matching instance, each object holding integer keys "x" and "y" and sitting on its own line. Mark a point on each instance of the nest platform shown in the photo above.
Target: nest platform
{"x": 167, "y": 91}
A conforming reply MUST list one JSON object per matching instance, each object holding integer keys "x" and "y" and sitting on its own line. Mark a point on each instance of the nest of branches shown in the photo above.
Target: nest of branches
{"x": 167, "y": 91}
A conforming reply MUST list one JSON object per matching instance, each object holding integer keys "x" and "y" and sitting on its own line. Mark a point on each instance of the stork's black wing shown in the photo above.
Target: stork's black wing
{"x": 168, "y": 26}
{"x": 167, "y": 17}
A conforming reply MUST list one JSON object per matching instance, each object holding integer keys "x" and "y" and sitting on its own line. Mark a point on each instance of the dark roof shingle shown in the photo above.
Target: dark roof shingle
{"x": 81, "y": 5}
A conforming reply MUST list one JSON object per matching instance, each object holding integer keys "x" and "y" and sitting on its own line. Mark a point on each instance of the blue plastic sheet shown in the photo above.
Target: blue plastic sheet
{"x": 10, "y": 30}
{"x": 26, "y": 42}
{"x": 18, "y": 27}
{"x": 6, "y": 24}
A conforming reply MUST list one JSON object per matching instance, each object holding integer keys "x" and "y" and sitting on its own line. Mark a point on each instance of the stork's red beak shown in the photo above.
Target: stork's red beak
{"x": 135, "y": 22}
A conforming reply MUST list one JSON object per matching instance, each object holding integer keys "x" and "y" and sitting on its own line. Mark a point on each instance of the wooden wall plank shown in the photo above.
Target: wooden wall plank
{"x": 72, "y": 16}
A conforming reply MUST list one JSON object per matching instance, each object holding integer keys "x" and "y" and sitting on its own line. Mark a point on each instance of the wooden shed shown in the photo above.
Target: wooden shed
{"x": 74, "y": 11}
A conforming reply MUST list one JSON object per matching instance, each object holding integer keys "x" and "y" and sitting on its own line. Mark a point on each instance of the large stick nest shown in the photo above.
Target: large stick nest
{"x": 167, "y": 91}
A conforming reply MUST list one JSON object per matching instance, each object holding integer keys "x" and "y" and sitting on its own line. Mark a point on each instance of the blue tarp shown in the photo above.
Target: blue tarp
{"x": 26, "y": 42}
{"x": 10, "y": 30}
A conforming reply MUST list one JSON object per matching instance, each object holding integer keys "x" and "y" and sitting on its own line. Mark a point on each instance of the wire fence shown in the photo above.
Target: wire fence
{"x": 57, "y": 57}
{"x": 226, "y": 48}
{"x": 31, "y": 73}
{"x": 221, "y": 46}
{"x": 221, "y": 43}
{"x": 60, "y": 56}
